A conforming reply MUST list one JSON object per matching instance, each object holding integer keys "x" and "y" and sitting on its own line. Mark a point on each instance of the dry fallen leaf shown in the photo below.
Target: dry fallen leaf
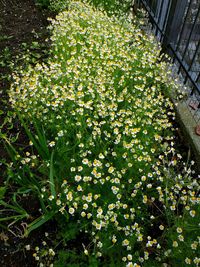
{"x": 4, "y": 237}
{"x": 197, "y": 129}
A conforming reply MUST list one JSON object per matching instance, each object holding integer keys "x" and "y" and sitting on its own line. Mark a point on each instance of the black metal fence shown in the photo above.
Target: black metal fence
{"x": 176, "y": 23}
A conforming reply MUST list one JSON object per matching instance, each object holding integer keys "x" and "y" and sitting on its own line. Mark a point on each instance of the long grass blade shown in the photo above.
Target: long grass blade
{"x": 38, "y": 222}
{"x": 31, "y": 137}
{"x": 52, "y": 184}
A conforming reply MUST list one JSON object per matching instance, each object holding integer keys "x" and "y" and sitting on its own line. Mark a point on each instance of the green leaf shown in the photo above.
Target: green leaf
{"x": 52, "y": 184}
{"x": 38, "y": 146}
{"x": 14, "y": 218}
{"x": 38, "y": 222}
{"x": 13, "y": 208}
{"x": 2, "y": 191}
{"x": 42, "y": 138}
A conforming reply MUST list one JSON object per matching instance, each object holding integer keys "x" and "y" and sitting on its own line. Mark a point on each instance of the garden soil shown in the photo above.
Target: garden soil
{"x": 21, "y": 22}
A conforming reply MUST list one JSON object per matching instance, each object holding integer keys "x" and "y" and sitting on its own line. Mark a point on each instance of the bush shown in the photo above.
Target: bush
{"x": 111, "y": 7}
{"x": 43, "y": 3}
{"x": 53, "y": 5}
{"x": 98, "y": 123}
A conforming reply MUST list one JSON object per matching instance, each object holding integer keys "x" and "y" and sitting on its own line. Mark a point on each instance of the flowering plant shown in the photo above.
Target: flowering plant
{"x": 101, "y": 136}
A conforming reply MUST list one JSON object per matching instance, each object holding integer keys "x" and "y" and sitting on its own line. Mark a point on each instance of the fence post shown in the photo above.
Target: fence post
{"x": 174, "y": 21}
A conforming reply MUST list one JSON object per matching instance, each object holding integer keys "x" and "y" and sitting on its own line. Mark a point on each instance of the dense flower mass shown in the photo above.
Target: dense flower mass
{"x": 100, "y": 102}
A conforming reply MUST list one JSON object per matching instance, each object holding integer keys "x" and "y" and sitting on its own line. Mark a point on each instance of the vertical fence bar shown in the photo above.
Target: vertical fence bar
{"x": 166, "y": 18}
{"x": 176, "y": 15}
{"x": 189, "y": 38}
{"x": 160, "y": 15}
{"x": 183, "y": 26}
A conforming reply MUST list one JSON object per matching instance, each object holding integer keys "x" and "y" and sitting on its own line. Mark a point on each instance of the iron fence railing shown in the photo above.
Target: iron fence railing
{"x": 176, "y": 23}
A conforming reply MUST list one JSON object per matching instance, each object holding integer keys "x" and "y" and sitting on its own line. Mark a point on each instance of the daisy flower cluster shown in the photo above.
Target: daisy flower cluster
{"x": 99, "y": 99}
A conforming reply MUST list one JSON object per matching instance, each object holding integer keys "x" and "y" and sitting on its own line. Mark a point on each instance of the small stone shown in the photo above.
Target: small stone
{"x": 197, "y": 130}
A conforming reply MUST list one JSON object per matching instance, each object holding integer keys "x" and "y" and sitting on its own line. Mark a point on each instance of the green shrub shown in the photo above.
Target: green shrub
{"x": 43, "y": 3}
{"x": 59, "y": 5}
{"x": 53, "y": 5}
{"x": 113, "y": 7}
{"x": 100, "y": 135}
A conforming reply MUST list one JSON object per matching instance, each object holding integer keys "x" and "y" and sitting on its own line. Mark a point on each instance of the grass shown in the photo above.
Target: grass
{"x": 101, "y": 157}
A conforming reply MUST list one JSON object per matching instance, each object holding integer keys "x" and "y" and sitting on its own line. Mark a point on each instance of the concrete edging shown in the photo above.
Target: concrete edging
{"x": 188, "y": 126}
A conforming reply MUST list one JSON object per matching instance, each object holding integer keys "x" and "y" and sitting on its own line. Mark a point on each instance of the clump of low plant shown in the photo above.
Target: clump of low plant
{"x": 59, "y": 5}
{"x": 111, "y": 7}
{"x": 99, "y": 137}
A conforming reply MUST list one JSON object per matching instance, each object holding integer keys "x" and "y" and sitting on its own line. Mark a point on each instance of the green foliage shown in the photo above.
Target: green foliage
{"x": 43, "y": 3}
{"x": 32, "y": 53}
{"x": 53, "y": 5}
{"x": 2, "y": 192}
{"x": 74, "y": 259}
{"x": 59, "y": 5}
{"x": 5, "y": 57}
{"x": 18, "y": 213}
{"x": 113, "y": 7}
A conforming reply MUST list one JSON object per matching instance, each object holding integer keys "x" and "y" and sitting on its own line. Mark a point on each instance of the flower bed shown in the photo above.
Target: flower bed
{"x": 101, "y": 157}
